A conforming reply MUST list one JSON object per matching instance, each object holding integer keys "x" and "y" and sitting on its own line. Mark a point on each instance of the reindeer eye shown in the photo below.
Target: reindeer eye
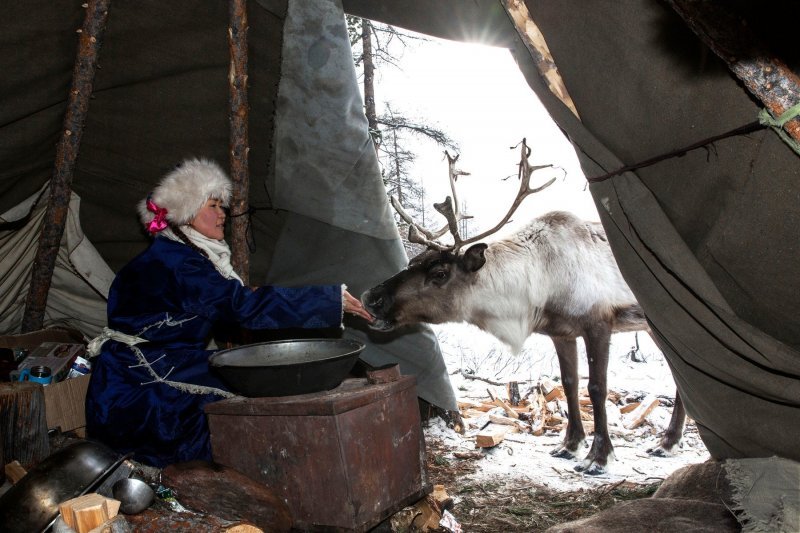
{"x": 438, "y": 276}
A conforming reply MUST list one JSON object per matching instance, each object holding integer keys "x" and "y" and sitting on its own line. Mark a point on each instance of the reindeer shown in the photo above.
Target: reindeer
{"x": 556, "y": 276}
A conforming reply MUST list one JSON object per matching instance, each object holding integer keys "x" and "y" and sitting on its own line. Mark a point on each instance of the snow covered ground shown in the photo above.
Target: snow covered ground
{"x": 524, "y": 456}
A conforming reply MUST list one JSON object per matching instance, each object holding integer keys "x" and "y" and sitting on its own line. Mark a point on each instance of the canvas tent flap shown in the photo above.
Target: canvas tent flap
{"x": 81, "y": 279}
{"x": 321, "y": 135}
{"x": 706, "y": 240}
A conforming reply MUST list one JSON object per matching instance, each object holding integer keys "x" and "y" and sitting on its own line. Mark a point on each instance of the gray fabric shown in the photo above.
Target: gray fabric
{"x": 766, "y": 493}
{"x": 339, "y": 227}
{"x": 321, "y": 135}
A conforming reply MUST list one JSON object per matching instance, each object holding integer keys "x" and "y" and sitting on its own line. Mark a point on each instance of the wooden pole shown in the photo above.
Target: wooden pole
{"x": 91, "y": 36}
{"x": 534, "y": 41}
{"x": 768, "y": 78}
{"x": 239, "y": 143}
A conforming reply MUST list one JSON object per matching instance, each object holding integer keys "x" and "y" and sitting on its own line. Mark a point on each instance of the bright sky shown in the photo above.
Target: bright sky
{"x": 479, "y": 97}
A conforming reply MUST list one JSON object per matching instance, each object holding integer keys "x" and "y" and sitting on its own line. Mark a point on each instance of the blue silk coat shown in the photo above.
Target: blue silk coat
{"x": 148, "y": 398}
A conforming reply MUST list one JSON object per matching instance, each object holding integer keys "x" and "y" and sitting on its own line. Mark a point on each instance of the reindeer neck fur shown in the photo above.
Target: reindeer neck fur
{"x": 550, "y": 277}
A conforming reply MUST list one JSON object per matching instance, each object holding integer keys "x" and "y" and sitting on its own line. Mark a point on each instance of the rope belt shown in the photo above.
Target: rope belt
{"x": 94, "y": 346}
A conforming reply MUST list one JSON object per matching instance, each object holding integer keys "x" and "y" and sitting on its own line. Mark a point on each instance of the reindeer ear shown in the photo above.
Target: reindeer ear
{"x": 474, "y": 258}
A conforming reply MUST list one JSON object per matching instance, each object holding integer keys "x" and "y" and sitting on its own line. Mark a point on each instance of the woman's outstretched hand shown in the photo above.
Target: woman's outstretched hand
{"x": 353, "y": 306}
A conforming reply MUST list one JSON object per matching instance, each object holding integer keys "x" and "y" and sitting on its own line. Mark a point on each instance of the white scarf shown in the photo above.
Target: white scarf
{"x": 219, "y": 253}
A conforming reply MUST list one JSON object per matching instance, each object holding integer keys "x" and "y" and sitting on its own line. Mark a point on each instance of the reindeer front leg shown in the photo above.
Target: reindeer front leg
{"x": 597, "y": 338}
{"x": 567, "y": 352}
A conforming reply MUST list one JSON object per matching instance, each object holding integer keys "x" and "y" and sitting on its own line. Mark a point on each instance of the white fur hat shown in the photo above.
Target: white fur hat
{"x": 185, "y": 190}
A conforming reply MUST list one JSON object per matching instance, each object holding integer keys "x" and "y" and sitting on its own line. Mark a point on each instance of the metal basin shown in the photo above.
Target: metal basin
{"x": 31, "y": 504}
{"x": 285, "y": 368}
{"x": 134, "y": 495}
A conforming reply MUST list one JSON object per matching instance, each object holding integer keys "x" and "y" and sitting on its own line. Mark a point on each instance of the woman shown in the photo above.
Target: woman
{"x": 152, "y": 379}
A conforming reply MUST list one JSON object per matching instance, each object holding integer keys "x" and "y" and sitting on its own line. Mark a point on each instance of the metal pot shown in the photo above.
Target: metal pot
{"x": 31, "y": 504}
{"x": 289, "y": 367}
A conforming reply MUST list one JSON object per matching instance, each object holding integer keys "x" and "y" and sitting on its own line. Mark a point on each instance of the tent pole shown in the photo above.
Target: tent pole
{"x": 89, "y": 43}
{"x": 768, "y": 78}
{"x": 239, "y": 143}
{"x": 534, "y": 41}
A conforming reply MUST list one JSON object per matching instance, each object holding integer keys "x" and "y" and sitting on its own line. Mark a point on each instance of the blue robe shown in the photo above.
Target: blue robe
{"x": 148, "y": 398}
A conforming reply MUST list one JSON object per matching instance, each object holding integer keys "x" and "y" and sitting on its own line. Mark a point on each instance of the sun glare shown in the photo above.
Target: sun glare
{"x": 479, "y": 97}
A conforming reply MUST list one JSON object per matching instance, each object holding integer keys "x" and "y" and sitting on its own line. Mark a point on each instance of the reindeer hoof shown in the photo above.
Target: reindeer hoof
{"x": 658, "y": 451}
{"x": 591, "y": 469}
{"x": 563, "y": 453}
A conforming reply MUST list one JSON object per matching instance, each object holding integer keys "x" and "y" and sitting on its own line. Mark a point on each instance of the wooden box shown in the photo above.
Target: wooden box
{"x": 342, "y": 460}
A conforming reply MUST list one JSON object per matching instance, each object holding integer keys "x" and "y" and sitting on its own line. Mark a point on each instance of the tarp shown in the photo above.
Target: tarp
{"x": 81, "y": 278}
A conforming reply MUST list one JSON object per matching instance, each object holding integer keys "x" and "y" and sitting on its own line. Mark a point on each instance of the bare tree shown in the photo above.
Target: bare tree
{"x": 374, "y": 46}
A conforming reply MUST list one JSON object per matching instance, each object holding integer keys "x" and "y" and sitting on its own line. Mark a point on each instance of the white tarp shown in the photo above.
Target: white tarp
{"x": 81, "y": 279}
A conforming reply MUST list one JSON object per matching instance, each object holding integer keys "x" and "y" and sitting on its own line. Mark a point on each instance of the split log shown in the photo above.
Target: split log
{"x": 512, "y": 391}
{"x": 507, "y": 421}
{"x": 629, "y": 407}
{"x": 153, "y": 521}
{"x": 468, "y": 455}
{"x": 88, "y": 512}
{"x": 635, "y": 418}
{"x": 500, "y": 403}
{"x": 23, "y": 423}
{"x": 475, "y": 406}
{"x": 491, "y": 436}
{"x": 551, "y": 391}
{"x": 118, "y": 524}
{"x": 244, "y": 528}
{"x": 14, "y": 471}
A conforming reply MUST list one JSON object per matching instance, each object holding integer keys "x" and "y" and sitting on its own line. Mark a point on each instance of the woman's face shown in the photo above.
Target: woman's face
{"x": 210, "y": 220}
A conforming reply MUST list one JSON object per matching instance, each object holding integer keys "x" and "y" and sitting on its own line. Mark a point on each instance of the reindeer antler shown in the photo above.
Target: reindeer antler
{"x": 449, "y": 208}
{"x": 421, "y": 235}
{"x": 524, "y": 174}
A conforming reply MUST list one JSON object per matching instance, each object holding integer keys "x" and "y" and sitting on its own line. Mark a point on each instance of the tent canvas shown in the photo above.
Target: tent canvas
{"x": 706, "y": 241}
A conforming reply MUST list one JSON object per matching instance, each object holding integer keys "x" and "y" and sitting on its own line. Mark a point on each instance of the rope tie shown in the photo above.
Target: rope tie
{"x": 766, "y": 118}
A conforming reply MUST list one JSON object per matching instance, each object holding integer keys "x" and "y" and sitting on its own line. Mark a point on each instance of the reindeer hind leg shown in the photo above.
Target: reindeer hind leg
{"x": 674, "y": 433}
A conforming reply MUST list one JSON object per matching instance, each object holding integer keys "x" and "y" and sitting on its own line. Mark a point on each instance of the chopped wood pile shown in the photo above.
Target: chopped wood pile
{"x": 543, "y": 409}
